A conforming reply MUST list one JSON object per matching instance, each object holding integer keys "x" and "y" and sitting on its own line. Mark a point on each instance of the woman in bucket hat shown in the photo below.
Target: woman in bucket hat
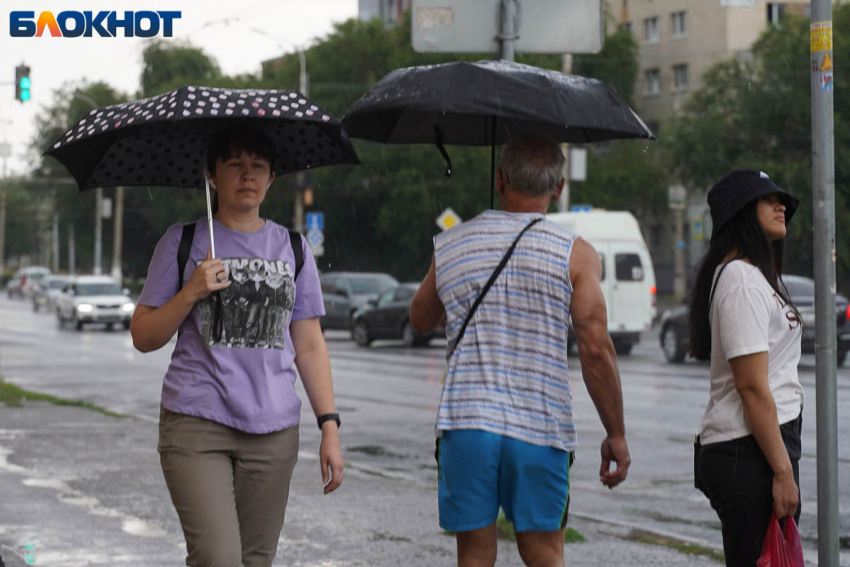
{"x": 742, "y": 320}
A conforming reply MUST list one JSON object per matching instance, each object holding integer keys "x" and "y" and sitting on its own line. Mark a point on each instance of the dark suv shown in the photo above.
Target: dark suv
{"x": 674, "y": 322}
{"x": 346, "y": 292}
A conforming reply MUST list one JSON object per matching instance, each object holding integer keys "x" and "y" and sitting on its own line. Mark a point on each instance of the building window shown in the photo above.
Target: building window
{"x": 680, "y": 77}
{"x": 774, "y": 12}
{"x": 680, "y": 24}
{"x": 651, "y": 31}
{"x": 653, "y": 82}
{"x": 626, "y": 27}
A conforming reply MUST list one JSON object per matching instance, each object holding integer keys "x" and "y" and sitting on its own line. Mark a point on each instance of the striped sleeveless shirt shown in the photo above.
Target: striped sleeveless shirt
{"x": 509, "y": 373}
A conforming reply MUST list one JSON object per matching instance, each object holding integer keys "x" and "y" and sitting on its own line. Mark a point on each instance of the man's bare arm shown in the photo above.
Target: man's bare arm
{"x": 598, "y": 358}
{"x": 426, "y": 310}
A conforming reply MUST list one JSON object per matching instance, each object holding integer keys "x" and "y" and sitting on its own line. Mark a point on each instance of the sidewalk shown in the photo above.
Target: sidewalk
{"x": 86, "y": 489}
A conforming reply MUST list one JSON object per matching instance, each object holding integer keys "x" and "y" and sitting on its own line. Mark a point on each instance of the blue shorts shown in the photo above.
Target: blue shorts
{"x": 481, "y": 471}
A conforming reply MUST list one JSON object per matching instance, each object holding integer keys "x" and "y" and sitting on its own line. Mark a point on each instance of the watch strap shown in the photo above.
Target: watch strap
{"x": 329, "y": 417}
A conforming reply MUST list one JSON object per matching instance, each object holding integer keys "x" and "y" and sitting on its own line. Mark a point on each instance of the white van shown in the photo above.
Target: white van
{"x": 628, "y": 278}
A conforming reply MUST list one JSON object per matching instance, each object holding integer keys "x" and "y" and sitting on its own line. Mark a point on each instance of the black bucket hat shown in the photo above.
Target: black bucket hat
{"x": 739, "y": 188}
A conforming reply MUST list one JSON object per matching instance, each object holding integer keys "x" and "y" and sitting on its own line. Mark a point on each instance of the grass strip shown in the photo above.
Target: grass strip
{"x": 14, "y": 396}
{"x": 692, "y": 549}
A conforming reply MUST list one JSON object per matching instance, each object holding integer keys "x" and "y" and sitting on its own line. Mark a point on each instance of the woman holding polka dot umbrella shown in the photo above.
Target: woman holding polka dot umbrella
{"x": 162, "y": 140}
{"x": 230, "y": 414}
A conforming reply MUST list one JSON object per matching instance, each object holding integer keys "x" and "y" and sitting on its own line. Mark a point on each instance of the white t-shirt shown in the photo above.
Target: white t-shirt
{"x": 748, "y": 317}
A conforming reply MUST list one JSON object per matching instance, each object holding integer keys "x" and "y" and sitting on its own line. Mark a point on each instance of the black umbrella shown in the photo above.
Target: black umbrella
{"x": 487, "y": 103}
{"x": 161, "y": 140}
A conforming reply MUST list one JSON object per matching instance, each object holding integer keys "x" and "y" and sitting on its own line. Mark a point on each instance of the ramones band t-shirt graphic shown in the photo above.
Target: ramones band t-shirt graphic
{"x": 255, "y": 309}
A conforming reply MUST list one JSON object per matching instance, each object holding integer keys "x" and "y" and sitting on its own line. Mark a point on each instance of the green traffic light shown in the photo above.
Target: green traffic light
{"x": 25, "y": 96}
{"x": 25, "y": 82}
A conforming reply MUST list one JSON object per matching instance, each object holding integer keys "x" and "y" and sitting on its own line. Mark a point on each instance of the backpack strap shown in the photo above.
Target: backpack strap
{"x": 297, "y": 251}
{"x": 183, "y": 251}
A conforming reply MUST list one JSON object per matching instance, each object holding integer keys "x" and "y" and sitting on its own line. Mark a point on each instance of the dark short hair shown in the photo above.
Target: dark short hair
{"x": 227, "y": 143}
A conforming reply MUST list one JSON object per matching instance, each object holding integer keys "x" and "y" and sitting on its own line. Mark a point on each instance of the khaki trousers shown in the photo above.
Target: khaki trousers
{"x": 230, "y": 488}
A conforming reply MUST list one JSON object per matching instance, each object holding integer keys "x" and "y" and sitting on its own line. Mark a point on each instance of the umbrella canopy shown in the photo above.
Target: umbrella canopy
{"x": 487, "y": 103}
{"x": 161, "y": 140}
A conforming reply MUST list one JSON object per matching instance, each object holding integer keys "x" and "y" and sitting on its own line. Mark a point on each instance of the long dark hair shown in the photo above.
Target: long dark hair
{"x": 224, "y": 143}
{"x": 744, "y": 234}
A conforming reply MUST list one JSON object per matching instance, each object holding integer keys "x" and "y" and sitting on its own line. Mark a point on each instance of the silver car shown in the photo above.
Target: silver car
{"x": 94, "y": 299}
{"x": 46, "y": 292}
{"x": 24, "y": 281}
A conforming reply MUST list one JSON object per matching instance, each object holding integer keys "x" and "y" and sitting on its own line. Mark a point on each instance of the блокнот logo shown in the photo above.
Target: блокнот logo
{"x": 71, "y": 23}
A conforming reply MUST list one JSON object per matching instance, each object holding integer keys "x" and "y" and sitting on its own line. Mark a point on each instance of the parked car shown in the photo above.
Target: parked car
{"x": 674, "y": 322}
{"x": 24, "y": 281}
{"x": 346, "y": 292}
{"x": 628, "y": 277}
{"x": 47, "y": 290}
{"x": 388, "y": 317}
{"x": 94, "y": 299}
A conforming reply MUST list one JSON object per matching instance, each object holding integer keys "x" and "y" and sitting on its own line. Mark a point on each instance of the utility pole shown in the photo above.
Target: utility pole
{"x": 72, "y": 269}
{"x": 304, "y": 87}
{"x": 564, "y": 199}
{"x": 823, "y": 206}
{"x": 3, "y": 220}
{"x": 98, "y": 232}
{"x": 508, "y": 35}
{"x": 117, "y": 234}
{"x": 54, "y": 256}
{"x": 677, "y": 199}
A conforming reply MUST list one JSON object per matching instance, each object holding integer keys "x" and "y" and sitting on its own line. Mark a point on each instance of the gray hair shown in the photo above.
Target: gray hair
{"x": 533, "y": 165}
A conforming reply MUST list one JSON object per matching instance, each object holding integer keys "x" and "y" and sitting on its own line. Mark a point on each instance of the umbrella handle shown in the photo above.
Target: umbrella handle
{"x": 209, "y": 211}
{"x": 442, "y": 148}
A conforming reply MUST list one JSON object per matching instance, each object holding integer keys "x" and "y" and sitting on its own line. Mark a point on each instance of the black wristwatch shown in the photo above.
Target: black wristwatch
{"x": 329, "y": 417}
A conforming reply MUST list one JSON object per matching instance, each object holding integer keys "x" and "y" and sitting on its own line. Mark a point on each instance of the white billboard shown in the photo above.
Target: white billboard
{"x": 472, "y": 26}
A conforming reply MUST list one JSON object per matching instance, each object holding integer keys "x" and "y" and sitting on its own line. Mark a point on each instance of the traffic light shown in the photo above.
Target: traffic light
{"x": 22, "y": 83}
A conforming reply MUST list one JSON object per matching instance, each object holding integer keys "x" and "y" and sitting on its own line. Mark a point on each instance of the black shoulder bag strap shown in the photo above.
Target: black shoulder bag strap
{"x": 716, "y": 281}
{"x": 297, "y": 251}
{"x": 183, "y": 251}
{"x": 489, "y": 284}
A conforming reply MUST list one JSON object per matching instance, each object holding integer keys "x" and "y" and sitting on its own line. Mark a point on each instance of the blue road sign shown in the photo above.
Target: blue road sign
{"x": 315, "y": 237}
{"x": 315, "y": 221}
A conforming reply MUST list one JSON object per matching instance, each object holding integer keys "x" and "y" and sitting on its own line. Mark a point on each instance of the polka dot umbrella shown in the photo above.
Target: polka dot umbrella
{"x": 162, "y": 140}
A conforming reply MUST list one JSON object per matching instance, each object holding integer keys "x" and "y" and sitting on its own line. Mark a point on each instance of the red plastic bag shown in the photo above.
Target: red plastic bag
{"x": 781, "y": 549}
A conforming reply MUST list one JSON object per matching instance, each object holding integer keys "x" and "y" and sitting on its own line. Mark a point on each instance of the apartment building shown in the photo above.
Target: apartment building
{"x": 680, "y": 39}
{"x": 389, "y": 11}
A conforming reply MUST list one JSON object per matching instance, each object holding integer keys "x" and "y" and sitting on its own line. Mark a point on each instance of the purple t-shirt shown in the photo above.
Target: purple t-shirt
{"x": 233, "y": 363}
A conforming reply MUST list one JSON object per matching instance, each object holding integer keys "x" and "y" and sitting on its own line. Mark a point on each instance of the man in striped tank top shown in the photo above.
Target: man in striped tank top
{"x": 505, "y": 422}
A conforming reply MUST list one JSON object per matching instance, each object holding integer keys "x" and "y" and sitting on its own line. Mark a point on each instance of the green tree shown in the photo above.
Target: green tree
{"x": 757, "y": 114}
{"x": 167, "y": 67}
{"x": 49, "y": 180}
{"x": 380, "y": 215}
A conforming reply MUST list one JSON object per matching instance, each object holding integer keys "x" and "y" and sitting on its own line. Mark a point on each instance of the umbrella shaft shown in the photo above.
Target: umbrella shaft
{"x": 209, "y": 214}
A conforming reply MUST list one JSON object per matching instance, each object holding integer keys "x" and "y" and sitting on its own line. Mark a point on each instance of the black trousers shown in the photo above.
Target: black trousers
{"x": 738, "y": 481}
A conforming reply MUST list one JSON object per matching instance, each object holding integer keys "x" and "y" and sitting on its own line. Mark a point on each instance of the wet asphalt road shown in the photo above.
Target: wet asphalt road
{"x": 87, "y": 490}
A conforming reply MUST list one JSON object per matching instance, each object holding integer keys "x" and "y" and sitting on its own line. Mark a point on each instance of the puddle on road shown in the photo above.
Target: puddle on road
{"x": 376, "y": 451}
{"x": 6, "y": 465}
{"x": 129, "y": 524}
{"x": 384, "y": 536}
